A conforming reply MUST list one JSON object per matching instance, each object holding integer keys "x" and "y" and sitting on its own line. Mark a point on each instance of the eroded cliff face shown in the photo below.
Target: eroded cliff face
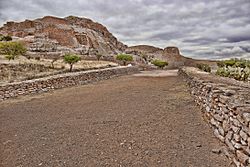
{"x": 52, "y": 35}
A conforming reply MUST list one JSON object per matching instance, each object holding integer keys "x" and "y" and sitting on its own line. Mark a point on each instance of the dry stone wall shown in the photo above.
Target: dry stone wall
{"x": 226, "y": 107}
{"x": 61, "y": 81}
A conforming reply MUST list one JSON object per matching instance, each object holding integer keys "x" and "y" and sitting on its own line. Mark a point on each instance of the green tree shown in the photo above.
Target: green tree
{"x": 12, "y": 49}
{"x": 71, "y": 59}
{"x": 159, "y": 63}
{"x": 124, "y": 58}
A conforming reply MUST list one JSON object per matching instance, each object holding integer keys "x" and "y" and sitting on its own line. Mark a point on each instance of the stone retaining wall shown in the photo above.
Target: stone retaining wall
{"x": 61, "y": 81}
{"x": 226, "y": 107}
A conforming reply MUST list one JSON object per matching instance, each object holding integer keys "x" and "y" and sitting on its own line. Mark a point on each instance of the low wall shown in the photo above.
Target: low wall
{"x": 61, "y": 81}
{"x": 226, "y": 107}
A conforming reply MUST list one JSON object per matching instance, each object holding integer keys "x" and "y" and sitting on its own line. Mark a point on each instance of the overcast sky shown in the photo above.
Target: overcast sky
{"x": 213, "y": 29}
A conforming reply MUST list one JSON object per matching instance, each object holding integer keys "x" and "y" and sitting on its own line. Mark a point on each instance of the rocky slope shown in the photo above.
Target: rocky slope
{"x": 170, "y": 54}
{"x": 52, "y": 35}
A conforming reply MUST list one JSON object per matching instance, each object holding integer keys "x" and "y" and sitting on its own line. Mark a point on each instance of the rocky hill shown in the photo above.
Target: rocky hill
{"x": 170, "y": 54}
{"x": 52, "y": 35}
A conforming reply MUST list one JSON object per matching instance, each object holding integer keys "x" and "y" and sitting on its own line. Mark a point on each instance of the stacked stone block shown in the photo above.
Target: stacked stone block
{"x": 226, "y": 108}
{"x": 61, "y": 81}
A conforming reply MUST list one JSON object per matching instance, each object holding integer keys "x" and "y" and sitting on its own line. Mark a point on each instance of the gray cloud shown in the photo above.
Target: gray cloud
{"x": 200, "y": 28}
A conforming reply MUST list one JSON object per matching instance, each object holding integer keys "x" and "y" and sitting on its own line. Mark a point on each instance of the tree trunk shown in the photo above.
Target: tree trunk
{"x": 52, "y": 65}
{"x": 71, "y": 67}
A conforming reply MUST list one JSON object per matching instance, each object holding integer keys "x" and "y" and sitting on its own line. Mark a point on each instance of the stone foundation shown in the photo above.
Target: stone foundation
{"x": 61, "y": 81}
{"x": 226, "y": 107}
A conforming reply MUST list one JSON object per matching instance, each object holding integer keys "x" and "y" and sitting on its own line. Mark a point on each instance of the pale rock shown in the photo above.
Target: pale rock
{"x": 230, "y": 145}
{"x": 246, "y": 116}
{"x": 218, "y": 117}
{"x": 237, "y": 137}
{"x": 218, "y": 135}
{"x": 243, "y": 135}
{"x": 243, "y": 158}
{"x": 236, "y": 162}
{"x": 235, "y": 129}
{"x": 221, "y": 130}
{"x": 226, "y": 125}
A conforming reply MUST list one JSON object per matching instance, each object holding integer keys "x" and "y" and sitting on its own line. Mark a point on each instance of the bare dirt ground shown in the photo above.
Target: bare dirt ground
{"x": 130, "y": 121}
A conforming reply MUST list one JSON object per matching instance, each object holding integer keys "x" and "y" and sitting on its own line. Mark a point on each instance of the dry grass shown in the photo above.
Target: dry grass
{"x": 23, "y": 69}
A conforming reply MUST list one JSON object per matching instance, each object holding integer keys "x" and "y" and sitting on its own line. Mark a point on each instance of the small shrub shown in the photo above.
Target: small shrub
{"x": 204, "y": 67}
{"x": 220, "y": 64}
{"x": 71, "y": 59}
{"x": 53, "y": 61}
{"x": 12, "y": 49}
{"x": 145, "y": 57}
{"x": 230, "y": 62}
{"x": 98, "y": 56}
{"x": 159, "y": 63}
{"x": 38, "y": 58}
{"x": 124, "y": 58}
{"x": 10, "y": 57}
{"x": 222, "y": 72}
{"x": 5, "y": 38}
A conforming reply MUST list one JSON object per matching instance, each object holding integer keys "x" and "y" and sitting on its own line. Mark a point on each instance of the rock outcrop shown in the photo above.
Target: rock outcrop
{"x": 171, "y": 54}
{"x": 58, "y": 35}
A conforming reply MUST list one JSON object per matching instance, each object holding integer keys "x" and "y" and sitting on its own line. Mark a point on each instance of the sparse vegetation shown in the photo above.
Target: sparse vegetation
{"x": 204, "y": 67}
{"x": 10, "y": 57}
{"x": 98, "y": 56}
{"x": 124, "y": 58}
{"x": 5, "y": 38}
{"x": 160, "y": 63}
{"x": 38, "y": 58}
{"x": 71, "y": 59}
{"x": 238, "y": 69}
{"x": 53, "y": 61}
{"x": 12, "y": 49}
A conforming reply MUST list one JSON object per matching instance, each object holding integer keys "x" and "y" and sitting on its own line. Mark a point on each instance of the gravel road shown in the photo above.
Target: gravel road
{"x": 130, "y": 121}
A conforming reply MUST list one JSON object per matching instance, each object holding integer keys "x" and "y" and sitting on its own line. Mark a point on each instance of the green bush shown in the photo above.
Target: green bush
{"x": 242, "y": 63}
{"x": 204, "y": 67}
{"x": 124, "y": 58}
{"x": 222, "y": 72}
{"x": 230, "y": 62}
{"x": 220, "y": 64}
{"x": 238, "y": 69}
{"x": 71, "y": 59}
{"x": 159, "y": 63}
{"x": 12, "y": 49}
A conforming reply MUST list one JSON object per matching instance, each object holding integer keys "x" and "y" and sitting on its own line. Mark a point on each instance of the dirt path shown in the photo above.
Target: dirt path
{"x": 127, "y": 121}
